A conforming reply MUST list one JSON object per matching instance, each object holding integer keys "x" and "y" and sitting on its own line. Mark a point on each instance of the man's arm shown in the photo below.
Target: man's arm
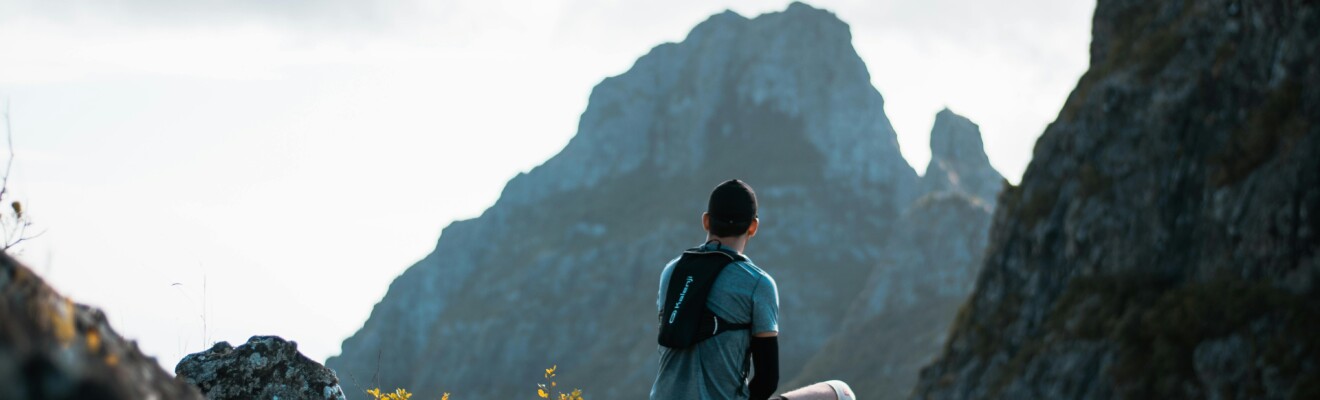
{"x": 765, "y": 339}
{"x": 765, "y": 360}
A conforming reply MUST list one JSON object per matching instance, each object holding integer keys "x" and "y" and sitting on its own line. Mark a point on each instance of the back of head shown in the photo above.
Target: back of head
{"x": 732, "y": 208}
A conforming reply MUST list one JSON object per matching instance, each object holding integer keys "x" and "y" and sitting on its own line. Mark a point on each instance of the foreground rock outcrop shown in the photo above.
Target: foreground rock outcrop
{"x": 53, "y": 348}
{"x": 1163, "y": 242}
{"x": 266, "y": 367}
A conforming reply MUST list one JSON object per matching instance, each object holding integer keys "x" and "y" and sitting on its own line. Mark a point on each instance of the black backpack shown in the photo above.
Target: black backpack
{"x": 685, "y": 320}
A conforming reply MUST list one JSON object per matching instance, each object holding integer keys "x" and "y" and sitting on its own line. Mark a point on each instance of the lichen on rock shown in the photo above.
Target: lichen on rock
{"x": 265, "y": 367}
{"x": 1163, "y": 241}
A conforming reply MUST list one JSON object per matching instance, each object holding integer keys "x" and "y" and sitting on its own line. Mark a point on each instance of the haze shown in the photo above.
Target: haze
{"x": 274, "y": 166}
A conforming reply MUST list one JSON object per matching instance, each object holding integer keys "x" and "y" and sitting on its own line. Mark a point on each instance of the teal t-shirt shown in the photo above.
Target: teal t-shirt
{"x": 717, "y": 368}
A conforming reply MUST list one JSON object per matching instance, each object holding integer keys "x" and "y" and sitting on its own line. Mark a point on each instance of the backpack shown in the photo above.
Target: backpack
{"x": 685, "y": 320}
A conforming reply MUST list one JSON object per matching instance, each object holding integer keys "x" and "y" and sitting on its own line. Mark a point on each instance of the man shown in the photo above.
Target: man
{"x": 716, "y": 368}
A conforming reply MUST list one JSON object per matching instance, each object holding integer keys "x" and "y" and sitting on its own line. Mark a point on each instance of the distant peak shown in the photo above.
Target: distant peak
{"x": 792, "y": 20}
{"x": 726, "y": 16}
{"x": 800, "y": 10}
{"x": 954, "y": 136}
{"x": 957, "y": 159}
{"x": 718, "y": 22}
{"x": 798, "y": 6}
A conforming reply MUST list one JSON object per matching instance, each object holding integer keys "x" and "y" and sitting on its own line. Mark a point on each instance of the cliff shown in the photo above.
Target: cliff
{"x": 958, "y": 161}
{"x": 1163, "y": 241}
{"x": 926, "y": 268}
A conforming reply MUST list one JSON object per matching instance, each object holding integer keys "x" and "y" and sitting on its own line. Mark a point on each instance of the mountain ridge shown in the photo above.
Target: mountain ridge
{"x": 702, "y": 55}
{"x": 898, "y": 322}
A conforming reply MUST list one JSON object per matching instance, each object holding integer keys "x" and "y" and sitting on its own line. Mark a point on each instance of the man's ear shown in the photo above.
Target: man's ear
{"x": 705, "y": 221}
{"x": 751, "y": 229}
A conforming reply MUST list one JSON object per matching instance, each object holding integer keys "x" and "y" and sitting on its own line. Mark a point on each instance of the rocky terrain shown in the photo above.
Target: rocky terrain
{"x": 53, "y": 348}
{"x": 898, "y": 322}
{"x": 266, "y": 367}
{"x": 1163, "y": 242}
{"x": 958, "y": 161}
{"x": 563, "y": 269}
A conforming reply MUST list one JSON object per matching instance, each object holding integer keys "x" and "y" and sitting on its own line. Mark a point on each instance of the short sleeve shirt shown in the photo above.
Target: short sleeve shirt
{"x": 717, "y": 368}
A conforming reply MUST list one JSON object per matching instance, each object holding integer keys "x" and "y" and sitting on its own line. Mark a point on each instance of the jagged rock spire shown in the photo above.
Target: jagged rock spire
{"x": 958, "y": 162}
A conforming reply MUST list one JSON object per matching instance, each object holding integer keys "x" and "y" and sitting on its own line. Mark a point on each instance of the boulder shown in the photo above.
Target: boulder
{"x": 266, "y": 367}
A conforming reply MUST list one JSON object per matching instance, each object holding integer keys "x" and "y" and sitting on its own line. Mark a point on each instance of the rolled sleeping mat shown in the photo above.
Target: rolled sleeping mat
{"x": 828, "y": 390}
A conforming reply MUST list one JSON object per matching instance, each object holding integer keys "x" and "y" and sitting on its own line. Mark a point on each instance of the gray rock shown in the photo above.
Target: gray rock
{"x": 1221, "y": 365}
{"x": 927, "y": 267}
{"x": 1162, "y": 242}
{"x": 266, "y": 367}
{"x": 958, "y": 162}
{"x": 53, "y": 348}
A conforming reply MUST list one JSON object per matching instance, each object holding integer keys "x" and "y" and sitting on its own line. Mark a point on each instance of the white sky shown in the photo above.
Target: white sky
{"x": 299, "y": 155}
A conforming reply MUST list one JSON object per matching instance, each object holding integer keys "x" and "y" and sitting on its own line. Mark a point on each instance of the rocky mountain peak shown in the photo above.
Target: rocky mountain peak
{"x": 925, "y": 270}
{"x": 958, "y": 162}
{"x": 956, "y": 138}
{"x": 727, "y": 21}
{"x": 790, "y": 77}
{"x": 781, "y": 101}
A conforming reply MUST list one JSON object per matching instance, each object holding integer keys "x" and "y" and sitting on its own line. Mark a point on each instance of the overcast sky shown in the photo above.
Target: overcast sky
{"x": 297, "y": 155}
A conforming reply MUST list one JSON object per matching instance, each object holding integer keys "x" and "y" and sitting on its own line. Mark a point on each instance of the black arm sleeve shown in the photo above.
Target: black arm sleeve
{"x": 765, "y": 360}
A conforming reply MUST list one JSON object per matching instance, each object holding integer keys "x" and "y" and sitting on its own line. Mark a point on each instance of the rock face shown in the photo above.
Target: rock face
{"x": 958, "y": 162}
{"x": 564, "y": 268}
{"x": 898, "y": 322}
{"x": 53, "y": 348}
{"x": 1163, "y": 242}
{"x": 938, "y": 240}
{"x": 266, "y": 367}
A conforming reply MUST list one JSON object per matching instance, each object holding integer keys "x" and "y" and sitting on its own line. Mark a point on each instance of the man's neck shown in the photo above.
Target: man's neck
{"x": 735, "y": 243}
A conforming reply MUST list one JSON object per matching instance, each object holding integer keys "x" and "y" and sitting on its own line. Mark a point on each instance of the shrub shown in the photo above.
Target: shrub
{"x": 543, "y": 390}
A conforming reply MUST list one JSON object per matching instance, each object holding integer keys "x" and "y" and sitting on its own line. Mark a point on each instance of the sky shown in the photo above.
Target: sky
{"x": 216, "y": 169}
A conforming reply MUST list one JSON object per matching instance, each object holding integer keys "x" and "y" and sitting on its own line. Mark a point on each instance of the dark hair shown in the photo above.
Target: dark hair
{"x": 732, "y": 208}
{"x": 725, "y": 228}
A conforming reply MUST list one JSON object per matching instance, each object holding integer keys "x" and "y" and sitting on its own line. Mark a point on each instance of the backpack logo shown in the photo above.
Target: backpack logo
{"x": 679, "y": 303}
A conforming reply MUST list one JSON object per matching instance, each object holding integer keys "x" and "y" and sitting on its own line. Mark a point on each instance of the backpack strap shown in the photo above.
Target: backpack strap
{"x": 719, "y": 248}
{"x": 714, "y": 323}
{"x": 722, "y": 325}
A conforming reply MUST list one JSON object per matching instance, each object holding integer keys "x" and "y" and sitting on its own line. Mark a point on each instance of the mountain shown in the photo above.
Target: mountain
{"x": 926, "y": 269}
{"x": 958, "y": 162}
{"x": 937, "y": 241}
{"x": 1163, "y": 241}
{"x": 564, "y": 267}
